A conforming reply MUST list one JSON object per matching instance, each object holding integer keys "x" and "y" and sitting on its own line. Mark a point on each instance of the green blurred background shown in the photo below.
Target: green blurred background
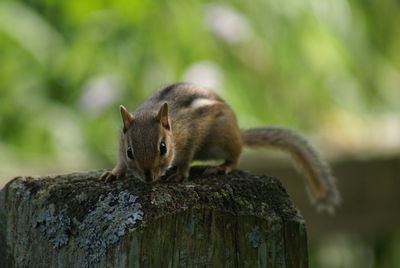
{"x": 330, "y": 69}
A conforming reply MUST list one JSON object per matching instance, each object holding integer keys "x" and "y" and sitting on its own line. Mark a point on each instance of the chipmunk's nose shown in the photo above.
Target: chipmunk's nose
{"x": 148, "y": 175}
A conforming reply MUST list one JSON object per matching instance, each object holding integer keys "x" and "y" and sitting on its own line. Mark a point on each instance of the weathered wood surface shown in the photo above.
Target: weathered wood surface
{"x": 75, "y": 220}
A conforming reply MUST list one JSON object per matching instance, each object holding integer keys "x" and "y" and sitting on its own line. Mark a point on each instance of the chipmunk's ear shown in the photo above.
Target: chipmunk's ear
{"x": 126, "y": 116}
{"x": 163, "y": 116}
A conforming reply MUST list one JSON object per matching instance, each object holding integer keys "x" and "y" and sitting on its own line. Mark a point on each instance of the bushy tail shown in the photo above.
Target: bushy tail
{"x": 321, "y": 184}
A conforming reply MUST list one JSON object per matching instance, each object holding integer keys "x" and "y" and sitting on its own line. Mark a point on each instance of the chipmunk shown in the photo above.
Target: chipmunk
{"x": 184, "y": 122}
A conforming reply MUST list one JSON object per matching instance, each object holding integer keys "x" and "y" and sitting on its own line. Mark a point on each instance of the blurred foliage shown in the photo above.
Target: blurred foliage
{"x": 351, "y": 250}
{"x": 65, "y": 65}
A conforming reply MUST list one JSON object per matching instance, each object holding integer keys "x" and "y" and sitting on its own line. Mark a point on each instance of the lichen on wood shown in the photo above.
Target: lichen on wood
{"x": 76, "y": 220}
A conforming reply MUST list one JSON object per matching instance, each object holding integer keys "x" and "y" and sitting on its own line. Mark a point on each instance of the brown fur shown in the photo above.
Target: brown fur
{"x": 321, "y": 183}
{"x": 195, "y": 123}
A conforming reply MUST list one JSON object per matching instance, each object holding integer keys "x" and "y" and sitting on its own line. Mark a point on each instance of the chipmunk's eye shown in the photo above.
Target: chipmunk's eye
{"x": 163, "y": 148}
{"x": 129, "y": 153}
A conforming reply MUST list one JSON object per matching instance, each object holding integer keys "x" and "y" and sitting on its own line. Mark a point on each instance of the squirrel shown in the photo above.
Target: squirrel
{"x": 184, "y": 122}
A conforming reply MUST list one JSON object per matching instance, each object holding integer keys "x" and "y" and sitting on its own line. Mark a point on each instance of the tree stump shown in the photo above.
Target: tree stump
{"x": 76, "y": 220}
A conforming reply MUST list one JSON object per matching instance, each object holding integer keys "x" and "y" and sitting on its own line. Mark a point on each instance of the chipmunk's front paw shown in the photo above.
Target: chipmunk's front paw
{"x": 176, "y": 177}
{"x": 108, "y": 176}
{"x": 215, "y": 171}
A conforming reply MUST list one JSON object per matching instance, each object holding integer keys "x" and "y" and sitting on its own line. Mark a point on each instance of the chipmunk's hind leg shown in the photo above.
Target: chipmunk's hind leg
{"x": 227, "y": 136}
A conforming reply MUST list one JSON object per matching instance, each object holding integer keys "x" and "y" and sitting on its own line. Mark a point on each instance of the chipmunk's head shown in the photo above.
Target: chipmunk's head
{"x": 147, "y": 143}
